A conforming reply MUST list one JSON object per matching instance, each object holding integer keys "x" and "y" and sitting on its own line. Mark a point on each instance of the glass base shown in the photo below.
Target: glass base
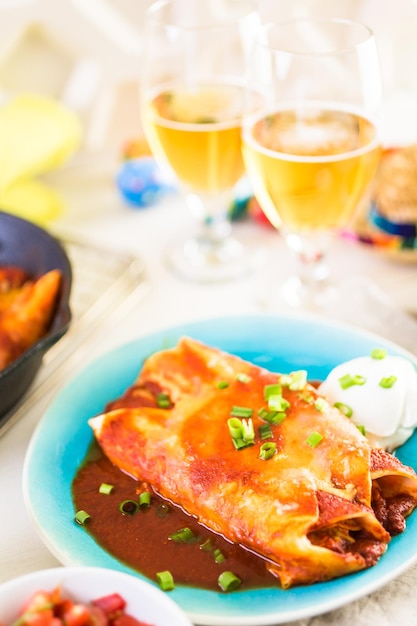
{"x": 203, "y": 260}
{"x": 294, "y": 295}
{"x": 299, "y": 295}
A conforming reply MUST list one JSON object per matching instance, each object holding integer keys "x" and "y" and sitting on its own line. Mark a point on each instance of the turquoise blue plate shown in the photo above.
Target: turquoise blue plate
{"x": 282, "y": 344}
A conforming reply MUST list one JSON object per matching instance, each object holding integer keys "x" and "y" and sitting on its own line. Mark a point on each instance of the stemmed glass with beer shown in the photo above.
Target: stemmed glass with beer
{"x": 192, "y": 95}
{"x": 310, "y": 139}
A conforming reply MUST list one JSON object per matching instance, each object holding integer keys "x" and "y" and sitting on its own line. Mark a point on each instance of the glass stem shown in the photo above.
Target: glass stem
{"x": 310, "y": 250}
{"x": 211, "y": 212}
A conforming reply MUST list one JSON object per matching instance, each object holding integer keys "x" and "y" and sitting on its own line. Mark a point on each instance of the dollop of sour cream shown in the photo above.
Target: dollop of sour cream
{"x": 379, "y": 394}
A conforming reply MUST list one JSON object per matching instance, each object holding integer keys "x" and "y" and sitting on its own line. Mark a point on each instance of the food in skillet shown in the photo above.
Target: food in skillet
{"x": 27, "y": 306}
{"x": 261, "y": 458}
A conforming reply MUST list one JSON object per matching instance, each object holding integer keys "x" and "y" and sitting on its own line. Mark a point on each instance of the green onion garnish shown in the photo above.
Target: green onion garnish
{"x": 243, "y": 378}
{"x": 347, "y": 380}
{"x": 306, "y": 397}
{"x": 240, "y": 443}
{"x": 183, "y": 535}
{"x": 235, "y": 427}
{"x": 105, "y": 488}
{"x": 267, "y": 450}
{"x": 144, "y": 499}
{"x": 378, "y": 353}
{"x": 295, "y": 381}
{"x": 344, "y": 408}
{"x": 272, "y": 417}
{"x": 81, "y": 517}
{"x": 387, "y": 382}
{"x": 361, "y": 429}
{"x": 162, "y": 510}
{"x": 241, "y": 411}
{"x": 265, "y": 431}
{"x": 163, "y": 400}
{"x": 207, "y": 545}
{"x": 272, "y": 390}
{"x": 218, "y": 556}
{"x": 314, "y": 439}
{"x": 222, "y": 384}
{"x": 165, "y": 580}
{"x": 320, "y": 404}
{"x": 228, "y": 581}
{"x": 277, "y": 403}
{"x": 241, "y": 431}
{"x": 248, "y": 430}
{"x": 128, "y": 507}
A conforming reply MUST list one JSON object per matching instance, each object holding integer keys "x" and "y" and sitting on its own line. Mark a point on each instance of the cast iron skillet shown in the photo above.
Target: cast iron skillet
{"x": 28, "y": 246}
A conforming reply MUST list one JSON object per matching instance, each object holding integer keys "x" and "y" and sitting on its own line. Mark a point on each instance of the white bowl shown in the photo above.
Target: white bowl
{"x": 83, "y": 584}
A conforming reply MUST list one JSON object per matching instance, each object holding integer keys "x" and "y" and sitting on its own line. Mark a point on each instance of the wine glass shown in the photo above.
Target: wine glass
{"x": 310, "y": 139}
{"x": 192, "y": 96}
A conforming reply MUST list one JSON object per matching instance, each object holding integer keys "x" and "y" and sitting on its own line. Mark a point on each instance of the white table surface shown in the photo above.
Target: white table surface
{"x": 96, "y": 213}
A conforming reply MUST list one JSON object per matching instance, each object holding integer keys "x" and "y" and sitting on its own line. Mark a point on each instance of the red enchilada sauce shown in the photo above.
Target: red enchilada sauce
{"x": 141, "y": 540}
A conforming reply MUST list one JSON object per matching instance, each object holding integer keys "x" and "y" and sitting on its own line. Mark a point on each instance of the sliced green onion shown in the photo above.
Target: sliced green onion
{"x": 228, "y": 581}
{"x": 222, "y": 384}
{"x": 218, "y": 556}
{"x": 81, "y": 517}
{"x": 314, "y": 439}
{"x": 241, "y": 411}
{"x": 272, "y": 390}
{"x": 265, "y": 431}
{"x": 105, "y": 488}
{"x": 128, "y": 507}
{"x": 144, "y": 499}
{"x": 361, "y": 429}
{"x": 272, "y": 417}
{"x": 235, "y": 427}
{"x": 320, "y": 404}
{"x": 163, "y": 400}
{"x": 248, "y": 430}
{"x": 267, "y": 450}
{"x": 295, "y": 381}
{"x": 183, "y": 535}
{"x": 306, "y": 397}
{"x": 243, "y": 378}
{"x": 162, "y": 510}
{"x": 239, "y": 444}
{"x": 387, "y": 382}
{"x": 277, "y": 417}
{"x": 207, "y": 545}
{"x": 347, "y": 380}
{"x": 344, "y": 408}
{"x": 263, "y": 413}
{"x": 165, "y": 580}
{"x": 241, "y": 431}
{"x": 277, "y": 403}
{"x": 378, "y": 353}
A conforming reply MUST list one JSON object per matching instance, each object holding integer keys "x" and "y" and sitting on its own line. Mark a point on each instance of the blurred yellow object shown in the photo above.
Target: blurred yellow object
{"x": 32, "y": 200}
{"x": 37, "y": 135}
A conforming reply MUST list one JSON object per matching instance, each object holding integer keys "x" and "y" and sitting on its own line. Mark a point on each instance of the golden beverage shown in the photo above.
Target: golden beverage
{"x": 309, "y": 168}
{"x": 197, "y": 131}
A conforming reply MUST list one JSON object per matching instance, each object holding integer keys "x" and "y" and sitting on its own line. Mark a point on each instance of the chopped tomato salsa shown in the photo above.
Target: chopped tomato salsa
{"x": 50, "y": 608}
